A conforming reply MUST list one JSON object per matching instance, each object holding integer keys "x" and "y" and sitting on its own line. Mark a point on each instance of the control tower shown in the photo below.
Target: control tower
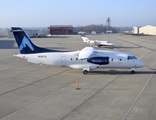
{"x": 108, "y": 25}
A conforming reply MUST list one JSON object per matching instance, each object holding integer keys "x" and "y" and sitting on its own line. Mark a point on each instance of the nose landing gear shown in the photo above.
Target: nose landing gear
{"x": 132, "y": 70}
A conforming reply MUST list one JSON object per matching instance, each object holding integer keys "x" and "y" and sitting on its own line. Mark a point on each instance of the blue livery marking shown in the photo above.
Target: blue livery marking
{"x": 25, "y": 42}
{"x": 99, "y": 60}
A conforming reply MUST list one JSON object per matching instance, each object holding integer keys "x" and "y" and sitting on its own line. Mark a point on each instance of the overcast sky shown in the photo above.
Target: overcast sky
{"x": 43, "y": 13}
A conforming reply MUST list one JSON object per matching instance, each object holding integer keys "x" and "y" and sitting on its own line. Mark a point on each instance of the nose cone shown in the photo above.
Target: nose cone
{"x": 111, "y": 44}
{"x": 140, "y": 63}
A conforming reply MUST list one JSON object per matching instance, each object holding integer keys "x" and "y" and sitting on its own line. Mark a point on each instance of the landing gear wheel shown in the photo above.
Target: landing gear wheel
{"x": 133, "y": 71}
{"x": 85, "y": 72}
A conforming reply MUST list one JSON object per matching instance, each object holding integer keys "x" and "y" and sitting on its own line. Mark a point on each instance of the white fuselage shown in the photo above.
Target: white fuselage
{"x": 86, "y": 59}
{"x": 100, "y": 43}
{"x": 97, "y": 43}
{"x": 70, "y": 59}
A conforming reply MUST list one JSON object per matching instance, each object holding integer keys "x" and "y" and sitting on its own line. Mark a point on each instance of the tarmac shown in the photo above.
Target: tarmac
{"x": 40, "y": 92}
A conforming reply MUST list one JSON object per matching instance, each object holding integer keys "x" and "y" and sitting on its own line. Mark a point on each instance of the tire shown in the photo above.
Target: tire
{"x": 133, "y": 72}
{"x": 85, "y": 72}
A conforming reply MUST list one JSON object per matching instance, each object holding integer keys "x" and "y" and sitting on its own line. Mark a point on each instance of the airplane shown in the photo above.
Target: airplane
{"x": 97, "y": 43}
{"x": 86, "y": 59}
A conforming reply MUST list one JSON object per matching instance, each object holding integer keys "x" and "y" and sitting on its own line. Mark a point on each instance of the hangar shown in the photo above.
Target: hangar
{"x": 60, "y": 29}
{"x": 148, "y": 30}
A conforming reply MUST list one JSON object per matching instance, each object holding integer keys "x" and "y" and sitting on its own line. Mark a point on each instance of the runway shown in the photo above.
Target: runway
{"x": 40, "y": 92}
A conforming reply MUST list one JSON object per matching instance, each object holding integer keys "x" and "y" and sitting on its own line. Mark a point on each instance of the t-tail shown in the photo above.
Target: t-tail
{"x": 85, "y": 39}
{"x": 25, "y": 45}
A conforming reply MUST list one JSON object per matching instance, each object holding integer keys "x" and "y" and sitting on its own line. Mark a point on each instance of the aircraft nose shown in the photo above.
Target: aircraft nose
{"x": 140, "y": 63}
{"x": 112, "y": 44}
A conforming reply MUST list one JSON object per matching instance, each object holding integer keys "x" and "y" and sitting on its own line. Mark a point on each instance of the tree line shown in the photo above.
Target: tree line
{"x": 99, "y": 28}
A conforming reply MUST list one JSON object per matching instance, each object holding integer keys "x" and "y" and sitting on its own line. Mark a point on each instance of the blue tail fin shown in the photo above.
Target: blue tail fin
{"x": 25, "y": 45}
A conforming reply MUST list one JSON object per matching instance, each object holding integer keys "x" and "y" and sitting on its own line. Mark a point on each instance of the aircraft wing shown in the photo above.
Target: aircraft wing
{"x": 86, "y": 53}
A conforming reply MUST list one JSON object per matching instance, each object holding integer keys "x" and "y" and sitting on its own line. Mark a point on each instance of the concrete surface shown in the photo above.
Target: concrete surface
{"x": 34, "y": 92}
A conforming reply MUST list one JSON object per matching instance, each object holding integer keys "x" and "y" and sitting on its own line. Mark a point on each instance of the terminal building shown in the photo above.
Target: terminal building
{"x": 147, "y": 30}
{"x": 61, "y": 29}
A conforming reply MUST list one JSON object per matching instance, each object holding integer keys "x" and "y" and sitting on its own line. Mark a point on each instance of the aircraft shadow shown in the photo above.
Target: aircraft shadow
{"x": 126, "y": 47}
{"x": 3, "y": 36}
{"x": 7, "y": 44}
{"x": 138, "y": 34}
{"x": 114, "y": 72}
{"x": 117, "y": 47}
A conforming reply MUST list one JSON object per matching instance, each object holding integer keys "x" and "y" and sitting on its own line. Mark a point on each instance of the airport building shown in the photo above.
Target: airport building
{"x": 148, "y": 30}
{"x": 60, "y": 29}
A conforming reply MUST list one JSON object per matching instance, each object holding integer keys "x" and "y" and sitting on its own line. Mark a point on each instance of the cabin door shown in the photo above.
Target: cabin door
{"x": 63, "y": 61}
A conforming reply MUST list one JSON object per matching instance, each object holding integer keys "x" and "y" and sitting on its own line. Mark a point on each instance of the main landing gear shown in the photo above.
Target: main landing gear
{"x": 85, "y": 72}
{"x": 133, "y": 71}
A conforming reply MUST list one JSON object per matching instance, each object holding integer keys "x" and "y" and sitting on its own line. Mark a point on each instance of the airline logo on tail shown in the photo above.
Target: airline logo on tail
{"x": 25, "y": 42}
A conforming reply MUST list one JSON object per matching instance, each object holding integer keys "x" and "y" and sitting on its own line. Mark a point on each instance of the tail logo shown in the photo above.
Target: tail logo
{"x": 25, "y": 42}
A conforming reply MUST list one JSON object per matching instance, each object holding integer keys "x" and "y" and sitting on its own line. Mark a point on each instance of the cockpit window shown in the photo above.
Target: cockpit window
{"x": 131, "y": 57}
{"x": 134, "y": 57}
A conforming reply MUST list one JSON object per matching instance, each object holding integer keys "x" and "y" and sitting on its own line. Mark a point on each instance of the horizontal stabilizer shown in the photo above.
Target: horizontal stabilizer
{"x": 86, "y": 53}
{"x": 25, "y": 57}
{"x": 20, "y": 56}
